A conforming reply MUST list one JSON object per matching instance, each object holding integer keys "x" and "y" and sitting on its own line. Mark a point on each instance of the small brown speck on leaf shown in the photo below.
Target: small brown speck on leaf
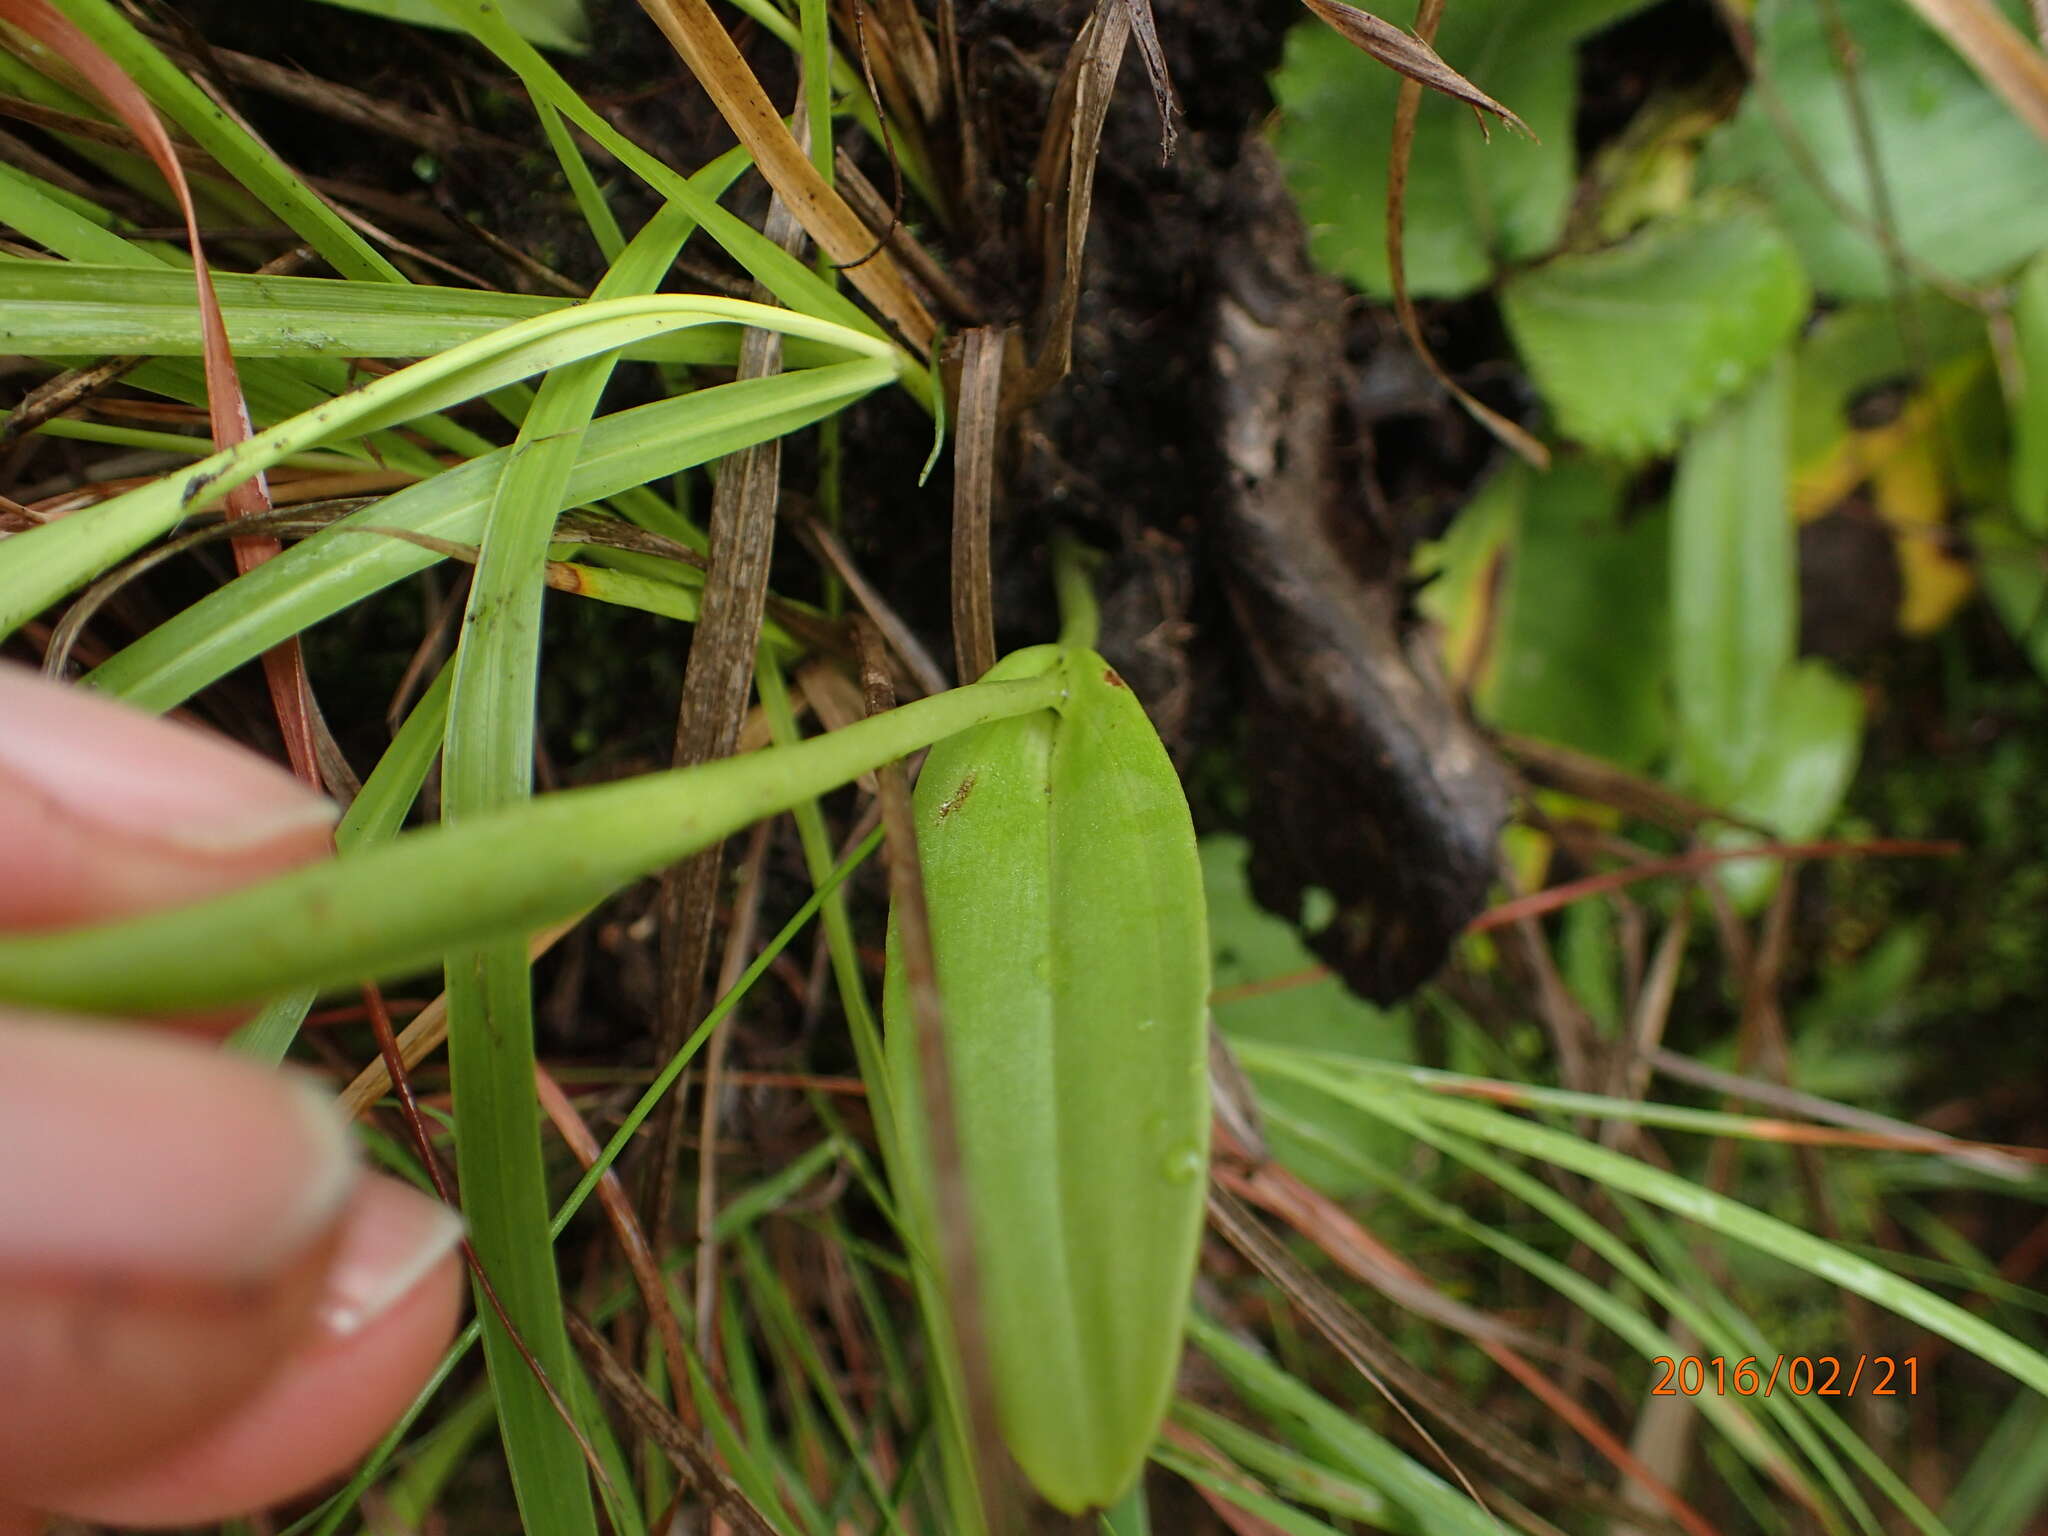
{"x": 958, "y": 798}
{"x": 1109, "y": 676}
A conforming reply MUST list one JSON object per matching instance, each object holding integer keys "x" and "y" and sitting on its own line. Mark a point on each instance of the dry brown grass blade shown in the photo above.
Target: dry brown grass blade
{"x": 739, "y": 943}
{"x": 975, "y": 186}
{"x": 1695, "y": 863}
{"x": 879, "y": 215}
{"x": 1998, "y": 51}
{"x": 626, "y": 1228}
{"x": 1409, "y": 54}
{"x": 1407, "y": 106}
{"x": 716, "y": 685}
{"x": 917, "y": 661}
{"x": 1338, "y": 1234}
{"x": 708, "y": 49}
{"x": 911, "y": 51}
{"x": 67, "y": 391}
{"x": 1592, "y": 778}
{"x": 1145, "y": 27}
{"x": 976, "y": 418}
{"x": 1065, "y": 178}
{"x": 953, "y": 1208}
{"x": 652, "y": 1419}
{"x": 345, "y": 103}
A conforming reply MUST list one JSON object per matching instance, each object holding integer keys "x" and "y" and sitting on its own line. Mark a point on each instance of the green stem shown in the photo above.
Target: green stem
{"x": 1080, "y": 619}
{"x": 1129, "y": 1516}
{"x": 404, "y": 906}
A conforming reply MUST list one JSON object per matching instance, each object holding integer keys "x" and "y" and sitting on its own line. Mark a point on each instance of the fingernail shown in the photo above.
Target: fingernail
{"x": 391, "y": 1240}
{"x": 140, "y": 1155}
{"x": 99, "y": 762}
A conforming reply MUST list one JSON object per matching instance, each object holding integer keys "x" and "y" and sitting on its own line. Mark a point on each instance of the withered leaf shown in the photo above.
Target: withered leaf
{"x": 1409, "y": 55}
{"x": 1146, "y": 29}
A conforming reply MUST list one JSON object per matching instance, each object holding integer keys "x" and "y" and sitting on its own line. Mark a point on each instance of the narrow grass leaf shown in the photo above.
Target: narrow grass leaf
{"x": 340, "y": 566}
{"x": 42, "y": 565}
{"x": 1829, "y": 1261}
{"x": 1426, "y": 1503}
{"x": 251, "y": 164}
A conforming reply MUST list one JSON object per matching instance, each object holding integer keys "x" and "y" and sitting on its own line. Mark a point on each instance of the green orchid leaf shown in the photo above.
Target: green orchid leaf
{"x": 1073, "y": 965}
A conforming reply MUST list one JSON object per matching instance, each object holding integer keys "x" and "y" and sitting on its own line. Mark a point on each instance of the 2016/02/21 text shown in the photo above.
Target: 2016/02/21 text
{"x": 1801, "y": 1375}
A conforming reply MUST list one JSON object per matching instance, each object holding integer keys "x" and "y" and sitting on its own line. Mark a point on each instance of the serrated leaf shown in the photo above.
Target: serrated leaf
{"x": 1473, "y": 202}
{"x": 1633, "y": 344}
{"x": 1734, "y": 593}
{"x": 1067, "y": 928}
{"x": 1967, "y": 180}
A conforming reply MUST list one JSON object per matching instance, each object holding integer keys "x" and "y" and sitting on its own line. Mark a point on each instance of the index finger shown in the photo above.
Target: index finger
{"x": 106, "y": 811}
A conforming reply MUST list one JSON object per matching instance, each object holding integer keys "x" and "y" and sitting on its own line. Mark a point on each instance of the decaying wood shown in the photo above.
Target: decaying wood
{"x": 1367, "y": 782}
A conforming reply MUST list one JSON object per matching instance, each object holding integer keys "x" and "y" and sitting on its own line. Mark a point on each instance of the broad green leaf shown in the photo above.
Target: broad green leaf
{"x": 1967, "y": 181}
{"x": 1633, "y": 344}
{"x": 1808, "y": 754}
{"x": 558, "y": 24}
{"x": 1474, "y": 203}
{"x": 1065, "y": 896}
{"x": 1734, "y": 591}
{"x": 2030, "y": 411}
{"x": 403, "y": 905}
{"x": 1582, "y": 652}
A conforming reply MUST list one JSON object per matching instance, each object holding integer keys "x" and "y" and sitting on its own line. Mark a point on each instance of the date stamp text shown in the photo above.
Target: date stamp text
{"x": 1800, "y": 1375}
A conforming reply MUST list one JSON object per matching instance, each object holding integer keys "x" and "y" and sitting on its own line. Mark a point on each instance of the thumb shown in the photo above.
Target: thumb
{"x": 174, "y": 1225}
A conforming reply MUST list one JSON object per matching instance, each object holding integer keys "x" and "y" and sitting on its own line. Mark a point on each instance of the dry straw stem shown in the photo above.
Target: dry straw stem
{"x": 1400, "y": 52}
{"x": 708, "y": 50}
{"x": 974, "y": 493}
{"x": 1410, "y": 54}
{"x": 684, "y": 1450}
{"x": 1065, "y": 177}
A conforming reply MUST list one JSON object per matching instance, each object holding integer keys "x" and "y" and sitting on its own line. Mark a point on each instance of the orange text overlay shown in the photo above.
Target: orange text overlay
{"x": 1800, "y": 1375}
